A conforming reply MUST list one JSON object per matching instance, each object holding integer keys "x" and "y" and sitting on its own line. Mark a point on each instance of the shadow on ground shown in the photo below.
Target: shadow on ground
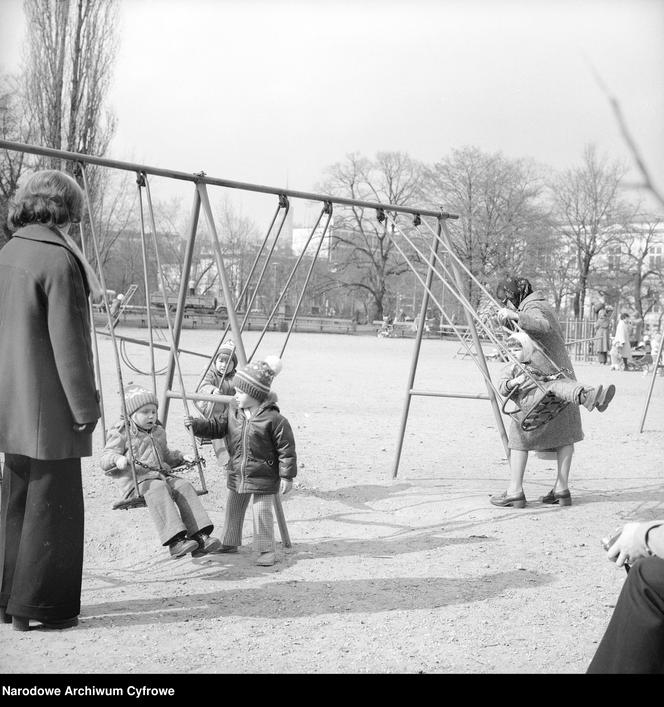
{"x": 301, "y": 598}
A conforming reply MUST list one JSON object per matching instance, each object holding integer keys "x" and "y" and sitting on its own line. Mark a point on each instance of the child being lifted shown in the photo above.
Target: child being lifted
{"x": 524, "y": 382}
{"x": 182, "y": 523}
{"x": 262, "y": 458}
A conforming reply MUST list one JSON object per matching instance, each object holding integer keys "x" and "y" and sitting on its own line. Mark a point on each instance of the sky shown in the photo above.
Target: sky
{"x": 273, "y": 92}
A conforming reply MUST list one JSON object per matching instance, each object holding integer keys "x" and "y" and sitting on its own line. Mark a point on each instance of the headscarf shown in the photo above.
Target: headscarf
{"x": 513, "y": 288}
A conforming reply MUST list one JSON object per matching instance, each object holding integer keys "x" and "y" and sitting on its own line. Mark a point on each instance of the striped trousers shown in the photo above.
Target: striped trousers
{"x": 236, "y": 507}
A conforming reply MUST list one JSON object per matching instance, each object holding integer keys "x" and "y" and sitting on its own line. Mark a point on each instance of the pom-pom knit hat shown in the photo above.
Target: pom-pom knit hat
{"x": 136, "y": 397}
{"x": 256, "y": 377}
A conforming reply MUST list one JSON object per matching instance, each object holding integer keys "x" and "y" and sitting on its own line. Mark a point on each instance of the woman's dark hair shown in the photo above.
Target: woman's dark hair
{"x": 48, "y": 197}
{"x": 513, "y": 288}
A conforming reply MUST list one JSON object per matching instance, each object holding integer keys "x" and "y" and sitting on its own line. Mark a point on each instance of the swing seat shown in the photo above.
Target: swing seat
{"x": 542, "y": 412}
{"x": 132, "y": 500}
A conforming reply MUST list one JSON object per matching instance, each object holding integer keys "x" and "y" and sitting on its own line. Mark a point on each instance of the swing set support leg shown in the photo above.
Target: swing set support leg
{"x": 416, "y": 353}
{"x": 281, "y": 520}
{"x": 182, "y": 296}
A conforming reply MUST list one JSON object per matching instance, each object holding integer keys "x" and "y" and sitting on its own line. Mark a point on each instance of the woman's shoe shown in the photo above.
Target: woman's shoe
{"x": 562, "y": 498}
{"x": 516, "y": 501}
{"x": 22, "y": 623}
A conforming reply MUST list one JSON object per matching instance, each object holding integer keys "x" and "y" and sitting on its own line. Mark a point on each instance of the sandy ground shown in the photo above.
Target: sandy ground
{"x": 419, "y": 574}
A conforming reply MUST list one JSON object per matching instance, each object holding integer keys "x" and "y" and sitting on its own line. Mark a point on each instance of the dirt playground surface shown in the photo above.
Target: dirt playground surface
{"x": 416, "y": 574}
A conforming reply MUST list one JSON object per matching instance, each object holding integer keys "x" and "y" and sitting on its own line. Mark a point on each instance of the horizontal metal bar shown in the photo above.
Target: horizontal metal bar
{"x": 431, "y": 393}
{"x": 204, "y": 179}
{"x": 142, "y": 342}
{"x": 200, "y": 396}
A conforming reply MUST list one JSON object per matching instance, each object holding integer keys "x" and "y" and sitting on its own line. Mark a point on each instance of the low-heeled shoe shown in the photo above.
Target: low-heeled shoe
{"x": 22, "y": 623}
{"x": 562, "y": 498}
{"x": 503, "y": 500}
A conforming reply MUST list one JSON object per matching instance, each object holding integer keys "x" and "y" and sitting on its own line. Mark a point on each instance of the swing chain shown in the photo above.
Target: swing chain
{"x": 184, "y": 466}
{"x": 140, "y": 179}
{"x": 417, "y": 220}
{"x": 283, "y": 201}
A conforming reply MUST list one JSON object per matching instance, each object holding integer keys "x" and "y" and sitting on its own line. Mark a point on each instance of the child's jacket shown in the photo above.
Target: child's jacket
{"x": 261, "y": 448}
{"x": 214, "y": 384}
{"x": 149, "y": 448}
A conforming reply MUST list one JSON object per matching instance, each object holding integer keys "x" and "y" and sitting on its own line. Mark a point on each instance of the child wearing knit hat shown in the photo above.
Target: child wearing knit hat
{"x": 262, "y": 458}
{"x": 181, "y": 522}
{"x": 218, "y": 380}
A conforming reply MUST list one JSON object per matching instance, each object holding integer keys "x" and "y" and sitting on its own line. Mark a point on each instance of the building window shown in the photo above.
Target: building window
{"x": 655, "y": 258}
{"x": 613, "y": 257}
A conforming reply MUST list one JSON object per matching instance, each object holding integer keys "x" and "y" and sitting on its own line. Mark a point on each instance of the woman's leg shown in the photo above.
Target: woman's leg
{"x": 518, "y": 461}
{"x": 564, "y": 459}
{"x": 46, "y": 503}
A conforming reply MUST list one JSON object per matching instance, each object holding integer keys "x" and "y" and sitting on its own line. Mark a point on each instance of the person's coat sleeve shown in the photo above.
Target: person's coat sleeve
{"x": 68, "y": 326}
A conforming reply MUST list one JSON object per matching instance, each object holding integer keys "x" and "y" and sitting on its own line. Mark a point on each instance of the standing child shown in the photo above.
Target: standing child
{"x": 616, "y": 355}
{"x": 178, "y": 515}
{"x": 262, "y": 458}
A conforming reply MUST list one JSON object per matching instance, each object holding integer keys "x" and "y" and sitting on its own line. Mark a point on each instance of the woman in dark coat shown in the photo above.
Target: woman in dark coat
{"x": 50, "y": 404}
{"x": 538, "y": 319}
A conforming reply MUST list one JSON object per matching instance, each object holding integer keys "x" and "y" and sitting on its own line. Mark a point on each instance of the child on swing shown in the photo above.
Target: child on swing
{"x": 218, "y": 380}
{"x": 522, "y": 385}
{"x": 262, "y": 459}
{"x": 176, "y": 510}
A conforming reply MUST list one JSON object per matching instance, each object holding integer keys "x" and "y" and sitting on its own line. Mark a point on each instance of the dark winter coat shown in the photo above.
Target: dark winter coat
{"x": 538, "y": 319}
{"x": 148, "y": 447}
{"x": 261, "y": 448}
{"x": 47, "y": 381}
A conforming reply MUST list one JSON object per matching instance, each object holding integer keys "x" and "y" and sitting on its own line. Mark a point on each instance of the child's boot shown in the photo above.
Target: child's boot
{"x": 588, "y": 397}
{"x": 206, "y": 544}
{"x": 605, "y": 398}
{"x": 265, "y": 559}
{"x": 180, "y": 546}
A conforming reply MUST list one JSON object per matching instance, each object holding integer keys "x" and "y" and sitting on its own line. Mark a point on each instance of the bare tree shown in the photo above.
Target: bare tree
{"x": 588, "y": 206}
{"x": 70, "y": 53}
{"x": 362, "y": 247}
{"x": 637, "y": 264}
{"x": 498, "y": 203}
{"x": 13, "y": 127}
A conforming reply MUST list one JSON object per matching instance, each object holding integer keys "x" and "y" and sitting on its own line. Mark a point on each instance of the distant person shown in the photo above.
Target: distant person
{"x": 634, "y": 639}
{"x": 621, "y": 341}
{"x": 182, "y": 524}
{"x": 116, "y": 304}
{"x": 647, "y": 360}
{"x": 529, "y": 309}
{"x": 262, "y": 461}
{"x": 49, "y": 403}
{"x": 602, "y": 338}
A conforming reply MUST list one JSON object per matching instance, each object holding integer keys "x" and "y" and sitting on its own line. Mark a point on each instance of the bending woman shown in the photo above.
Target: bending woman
{"x": 538, "y": 319}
